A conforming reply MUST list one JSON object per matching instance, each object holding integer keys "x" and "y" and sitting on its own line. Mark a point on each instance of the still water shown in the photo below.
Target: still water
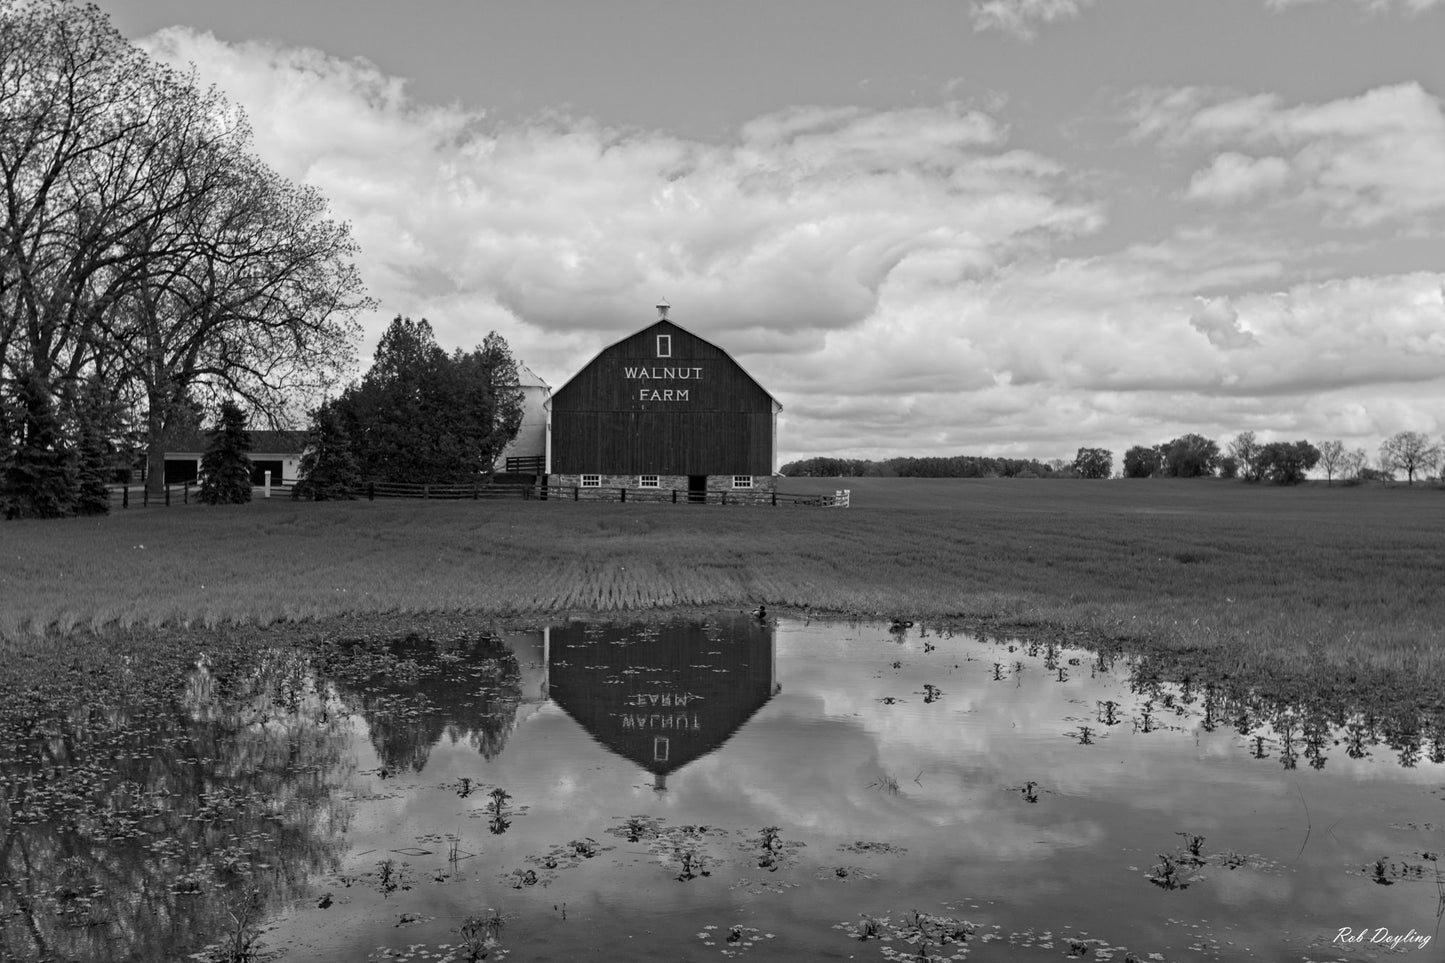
{"x": 725, "y": 788}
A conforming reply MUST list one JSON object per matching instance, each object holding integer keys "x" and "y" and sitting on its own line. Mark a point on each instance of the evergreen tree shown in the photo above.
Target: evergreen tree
{"x": 96, "y": 415}
{"x": 328, "y": 467}
{"x": 226, "y": 465}
{"x": 39, "y": 479}
{"x": 92, "y": 497}
{"x": 9, "y": 432}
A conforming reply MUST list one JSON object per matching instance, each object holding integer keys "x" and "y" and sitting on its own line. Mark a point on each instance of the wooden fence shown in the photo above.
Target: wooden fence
{"x": 137, "y": 496}
{"x": 736, "y": 496}
{"x": 375, "y": 490}
{"x": 474, "y": 491}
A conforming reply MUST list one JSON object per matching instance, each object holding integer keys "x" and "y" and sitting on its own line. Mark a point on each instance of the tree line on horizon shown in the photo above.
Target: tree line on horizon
{"x": 954, "y": 466}
{"x": 1283, "y": 462}
{"x": 1188, "y": 456}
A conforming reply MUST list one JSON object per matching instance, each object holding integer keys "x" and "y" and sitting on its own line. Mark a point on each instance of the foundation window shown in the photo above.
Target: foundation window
{"x": 591, "y": 481}
{"x": 742, "y": 481}
{"x": 647, "y": 481}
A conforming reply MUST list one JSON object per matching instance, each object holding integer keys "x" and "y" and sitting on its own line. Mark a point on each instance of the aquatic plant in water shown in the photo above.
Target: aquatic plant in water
{"x": 1166, "y": 873}
{"x": 498, "y": 823}
{"x": 886, "y": 783}
{"x": 1193, "y": 846}
{"x": 933, "y": 936}
{"x": 736, "y": 941}
{"x": 391, "y": 877}
{"x": 241, "y": 942}
{"x": 1029, "y": 790}
{"x": 692, "y": 862}
{"x": 481, "y": 935}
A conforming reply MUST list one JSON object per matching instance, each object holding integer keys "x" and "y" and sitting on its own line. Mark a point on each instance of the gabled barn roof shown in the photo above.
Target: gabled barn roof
{"x": 673, "y": 326}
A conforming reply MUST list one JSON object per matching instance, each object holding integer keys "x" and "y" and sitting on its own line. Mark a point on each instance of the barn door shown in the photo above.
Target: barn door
{"x": 697, "y": 488}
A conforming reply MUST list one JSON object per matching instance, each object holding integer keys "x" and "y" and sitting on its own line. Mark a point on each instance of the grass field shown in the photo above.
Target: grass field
{"x": 1288, "y": 577}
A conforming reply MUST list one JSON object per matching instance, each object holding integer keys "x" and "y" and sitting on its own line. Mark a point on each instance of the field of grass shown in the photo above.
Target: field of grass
{"x": 1288, "y": 577}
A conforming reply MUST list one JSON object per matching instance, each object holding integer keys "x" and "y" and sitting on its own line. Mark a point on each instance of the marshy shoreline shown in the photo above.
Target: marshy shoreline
{"x": 1401, "y": 703}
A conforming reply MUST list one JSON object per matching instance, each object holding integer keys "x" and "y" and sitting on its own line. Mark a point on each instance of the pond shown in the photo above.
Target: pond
{"x": 728, "y": 787}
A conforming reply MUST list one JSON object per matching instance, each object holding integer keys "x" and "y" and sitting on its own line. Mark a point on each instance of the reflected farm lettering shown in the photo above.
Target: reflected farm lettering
{"x": 665, "y": 699}
{"x": 661, "y": 720}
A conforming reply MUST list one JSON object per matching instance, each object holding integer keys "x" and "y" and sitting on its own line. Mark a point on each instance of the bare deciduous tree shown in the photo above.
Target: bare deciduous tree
{"x": 78, "y": 106}
{"x": 1410, "y": 452}
{"x": 1353, "y": 463}
{"x": 1332, "y": 459}
{"x": 253, "y": 295}
{"x": 144, "y": 244}
{"x": 1245, "y": 451}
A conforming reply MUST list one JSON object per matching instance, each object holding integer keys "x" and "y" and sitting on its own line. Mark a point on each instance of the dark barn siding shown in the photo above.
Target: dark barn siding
{"x": 601, "y": 424}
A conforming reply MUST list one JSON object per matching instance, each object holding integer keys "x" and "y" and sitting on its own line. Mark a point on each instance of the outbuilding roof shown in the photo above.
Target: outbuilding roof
{"x": 527, "y": 378}
{"x": 265, "y": 442}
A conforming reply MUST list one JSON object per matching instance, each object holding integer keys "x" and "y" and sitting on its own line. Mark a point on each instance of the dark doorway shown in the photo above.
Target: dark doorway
{"x": 180, "y": 470}
{"x": 697, "y": 488}
{"x": 259, "y": 470}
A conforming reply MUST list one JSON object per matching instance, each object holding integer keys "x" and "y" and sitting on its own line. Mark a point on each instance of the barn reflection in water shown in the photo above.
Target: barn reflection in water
{"x": 662, "y": 694}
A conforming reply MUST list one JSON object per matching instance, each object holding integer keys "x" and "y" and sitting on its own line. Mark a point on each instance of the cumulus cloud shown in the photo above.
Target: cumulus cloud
{"x": 1234, "y": 177}
{"x": 573, "y": 229}
{"x": 1218, "y": 321}
{"x": 1046, "y": 355}
{"x": 894, "y": 277}
{"x": 1021, "y": 17}
{"x": 1376, "y": 157}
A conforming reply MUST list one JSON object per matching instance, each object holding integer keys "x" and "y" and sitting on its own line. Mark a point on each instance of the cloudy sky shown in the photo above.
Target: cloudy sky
{"x": 1010, "y": 227}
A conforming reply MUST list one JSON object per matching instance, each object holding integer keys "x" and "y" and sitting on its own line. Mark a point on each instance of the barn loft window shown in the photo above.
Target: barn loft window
{"x": 591, "y": 481}
{"x": 647, "y": 481}
{"x": 742, "y": 481}
{"x": 664, "y": 346}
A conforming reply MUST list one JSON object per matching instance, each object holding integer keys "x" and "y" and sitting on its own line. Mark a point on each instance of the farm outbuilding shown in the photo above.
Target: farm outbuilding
{"x": 275, "y": 457}
{"x": 530, "y": 446}
{"x": 663, "y": 409}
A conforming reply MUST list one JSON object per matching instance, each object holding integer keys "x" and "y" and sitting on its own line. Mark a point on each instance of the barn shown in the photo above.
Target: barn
{"x": 663, "y": 409}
